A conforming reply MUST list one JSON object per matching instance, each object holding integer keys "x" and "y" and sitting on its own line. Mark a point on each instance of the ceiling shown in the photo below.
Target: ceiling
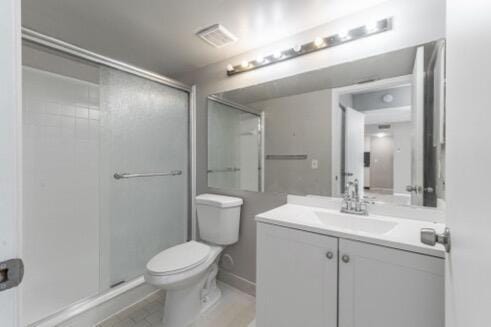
{"x": 387, "y": 65}
{"x": 159, "y": 35}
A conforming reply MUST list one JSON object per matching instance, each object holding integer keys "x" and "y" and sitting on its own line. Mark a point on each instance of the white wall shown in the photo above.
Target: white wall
{"x": 10, "y": 147}
{"x": 416, "y": 22}
{"x": 468, "y": 288}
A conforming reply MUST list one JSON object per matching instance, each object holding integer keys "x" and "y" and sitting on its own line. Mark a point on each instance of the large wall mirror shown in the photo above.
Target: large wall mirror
{"x": 380, "y": 120}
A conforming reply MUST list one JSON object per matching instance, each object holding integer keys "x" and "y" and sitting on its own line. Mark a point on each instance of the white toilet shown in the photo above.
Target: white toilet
{"x": 188, "y": 271}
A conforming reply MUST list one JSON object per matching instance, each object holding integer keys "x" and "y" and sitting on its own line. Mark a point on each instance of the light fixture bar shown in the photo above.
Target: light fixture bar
{"x": 319, "y": 43}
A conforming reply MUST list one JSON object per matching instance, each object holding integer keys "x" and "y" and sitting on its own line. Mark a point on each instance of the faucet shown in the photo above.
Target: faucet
{"x": 351, "y": 200}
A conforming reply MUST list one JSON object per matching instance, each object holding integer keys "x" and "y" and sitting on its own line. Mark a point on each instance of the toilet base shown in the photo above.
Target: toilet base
{"x": 183, "y": 306}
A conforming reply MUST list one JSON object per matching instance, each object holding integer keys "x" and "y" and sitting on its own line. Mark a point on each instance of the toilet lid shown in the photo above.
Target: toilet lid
{"x": 178, "y": 258}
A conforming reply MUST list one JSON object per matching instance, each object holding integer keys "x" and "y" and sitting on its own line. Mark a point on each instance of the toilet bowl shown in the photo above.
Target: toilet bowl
{"x": 187, "y": 272}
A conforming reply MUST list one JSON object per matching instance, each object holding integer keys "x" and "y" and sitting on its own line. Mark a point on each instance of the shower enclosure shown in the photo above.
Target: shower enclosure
{"x": 106, "y": 174}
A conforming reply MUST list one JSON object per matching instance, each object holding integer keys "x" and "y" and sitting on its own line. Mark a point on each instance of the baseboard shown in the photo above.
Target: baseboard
{"x": 238, "y": 282}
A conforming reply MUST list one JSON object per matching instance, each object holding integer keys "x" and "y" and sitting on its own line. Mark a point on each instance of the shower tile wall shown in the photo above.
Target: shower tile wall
{"x": 61, "y": 192}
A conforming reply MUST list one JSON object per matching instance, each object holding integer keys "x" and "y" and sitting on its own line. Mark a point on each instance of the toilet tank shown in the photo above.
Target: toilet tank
{"x": 218, "y": 218}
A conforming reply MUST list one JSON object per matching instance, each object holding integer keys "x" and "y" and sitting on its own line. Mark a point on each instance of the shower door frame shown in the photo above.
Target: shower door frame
{"x": 86, "y": 304}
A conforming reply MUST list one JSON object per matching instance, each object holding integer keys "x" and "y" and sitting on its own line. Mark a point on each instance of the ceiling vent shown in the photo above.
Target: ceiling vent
{"x": 217, "y": 35}
{"x": 385, "y": 126}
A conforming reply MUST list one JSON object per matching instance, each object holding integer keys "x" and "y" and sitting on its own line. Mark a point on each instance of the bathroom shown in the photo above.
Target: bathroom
{"x": 244, "y": 163}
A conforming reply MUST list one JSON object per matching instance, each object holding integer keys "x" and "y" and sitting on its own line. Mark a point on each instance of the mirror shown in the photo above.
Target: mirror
{"x": 379, "y": 120}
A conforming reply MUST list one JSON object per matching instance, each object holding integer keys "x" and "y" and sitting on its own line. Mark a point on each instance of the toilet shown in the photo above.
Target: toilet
{"x": 187, "y": 272}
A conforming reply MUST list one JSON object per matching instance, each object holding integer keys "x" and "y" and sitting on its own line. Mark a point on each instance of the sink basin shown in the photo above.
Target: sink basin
{"x": 359, "y": 224}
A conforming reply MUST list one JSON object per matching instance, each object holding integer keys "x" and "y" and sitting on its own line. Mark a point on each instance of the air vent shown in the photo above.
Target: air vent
{"x": 385, "y": 126}
{"x": 217, "y": 35}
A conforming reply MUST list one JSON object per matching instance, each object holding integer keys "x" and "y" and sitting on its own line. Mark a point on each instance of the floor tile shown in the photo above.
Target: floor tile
{"x": 234, "y": 309}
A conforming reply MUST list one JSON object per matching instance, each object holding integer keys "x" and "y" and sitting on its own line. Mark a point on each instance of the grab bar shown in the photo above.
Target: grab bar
{"x": 286, "y": 157}
{"x": 126, "y": 175}
{"x": 224, "y": 170}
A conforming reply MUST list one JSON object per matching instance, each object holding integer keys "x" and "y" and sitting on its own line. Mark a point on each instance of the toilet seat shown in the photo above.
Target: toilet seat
{"x": 178, "y": 259}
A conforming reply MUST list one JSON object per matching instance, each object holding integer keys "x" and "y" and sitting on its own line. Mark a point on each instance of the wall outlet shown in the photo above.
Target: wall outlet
{"x": 315, "y": 163}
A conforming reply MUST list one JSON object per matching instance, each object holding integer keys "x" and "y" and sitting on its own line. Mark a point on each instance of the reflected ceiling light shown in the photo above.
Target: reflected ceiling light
{"x": 380, "y": 135}
{"x": 388, "y": 98}
{"x": 319, "y": 43}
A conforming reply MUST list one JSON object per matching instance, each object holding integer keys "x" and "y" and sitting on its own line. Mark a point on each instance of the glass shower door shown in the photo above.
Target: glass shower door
{"x": 83, "y": 230}
{"x": 145, "y": 131}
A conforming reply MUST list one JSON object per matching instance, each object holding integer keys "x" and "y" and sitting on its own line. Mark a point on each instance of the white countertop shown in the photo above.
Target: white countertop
{"x": 402, "y": 233}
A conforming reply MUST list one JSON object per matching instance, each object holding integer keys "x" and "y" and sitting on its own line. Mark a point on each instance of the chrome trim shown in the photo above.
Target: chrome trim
{"x": 233, "y": 105}
{"x": 192, "y": 165}
{"x": 53, "y": 43}
{"x": 139, "y": 175}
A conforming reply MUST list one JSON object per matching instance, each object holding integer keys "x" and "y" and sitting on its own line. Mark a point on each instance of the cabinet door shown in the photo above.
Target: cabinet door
{"x": 296, "y": 281}
{"x": 384, "y": 287}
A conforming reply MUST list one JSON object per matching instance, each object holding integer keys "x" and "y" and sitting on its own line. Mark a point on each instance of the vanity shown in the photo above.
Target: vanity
{"x": 319, "y": 267}
{"x": 359, "y": 137}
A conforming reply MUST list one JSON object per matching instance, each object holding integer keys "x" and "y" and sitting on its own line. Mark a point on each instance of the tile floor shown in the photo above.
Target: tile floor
{"x": 234, "y": 309}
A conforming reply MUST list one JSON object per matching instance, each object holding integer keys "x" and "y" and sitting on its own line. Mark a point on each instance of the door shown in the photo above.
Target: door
{"x": 468, "y": 284}
{"x": 354, "y": 147}
{"x": 384, "y": 287}
{"x": 296, "y": 278}
{"x": 417, "y": 137}
{"x": 9, "y": 149}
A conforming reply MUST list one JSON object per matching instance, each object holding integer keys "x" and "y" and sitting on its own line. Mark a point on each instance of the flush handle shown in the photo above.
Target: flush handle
{"x": 430, "y": 237}
{"x": 329, "y": 255}
{"x": 345, "y": 258}
{"x": 11, "y": 273}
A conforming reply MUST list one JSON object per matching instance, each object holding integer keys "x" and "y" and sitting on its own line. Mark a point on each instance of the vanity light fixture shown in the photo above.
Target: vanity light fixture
{"x": 277, "y": 55}
{"x": 260, "y": 59}
{"x": 317, "y": 44}
{"x": 344, "y": 35}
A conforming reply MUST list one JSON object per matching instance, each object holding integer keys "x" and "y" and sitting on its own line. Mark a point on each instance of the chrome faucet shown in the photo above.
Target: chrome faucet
{"x": 351, "y": 200}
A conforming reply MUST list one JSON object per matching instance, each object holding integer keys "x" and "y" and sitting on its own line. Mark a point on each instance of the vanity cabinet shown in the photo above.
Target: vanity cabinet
{"x": 297, "y": 278}
{"x": 298, "y": 283}
{"x": 385, "y": 287}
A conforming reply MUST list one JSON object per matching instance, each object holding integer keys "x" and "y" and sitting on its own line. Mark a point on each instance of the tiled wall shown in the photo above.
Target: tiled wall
{"x": 61, "y": 121}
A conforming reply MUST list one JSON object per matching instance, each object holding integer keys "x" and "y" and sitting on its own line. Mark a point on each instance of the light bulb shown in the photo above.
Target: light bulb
{"x": 244, "y": 64}
{"x": 260, "y": 59}
{"x": 277, "y": 54}
{"x": 319, "y": 42}
{"x": 297, "y": 48}
{"x": 230, "y": 68}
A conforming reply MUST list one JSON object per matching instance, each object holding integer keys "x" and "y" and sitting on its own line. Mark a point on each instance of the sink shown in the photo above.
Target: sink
{"x": 353, "y": 223}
